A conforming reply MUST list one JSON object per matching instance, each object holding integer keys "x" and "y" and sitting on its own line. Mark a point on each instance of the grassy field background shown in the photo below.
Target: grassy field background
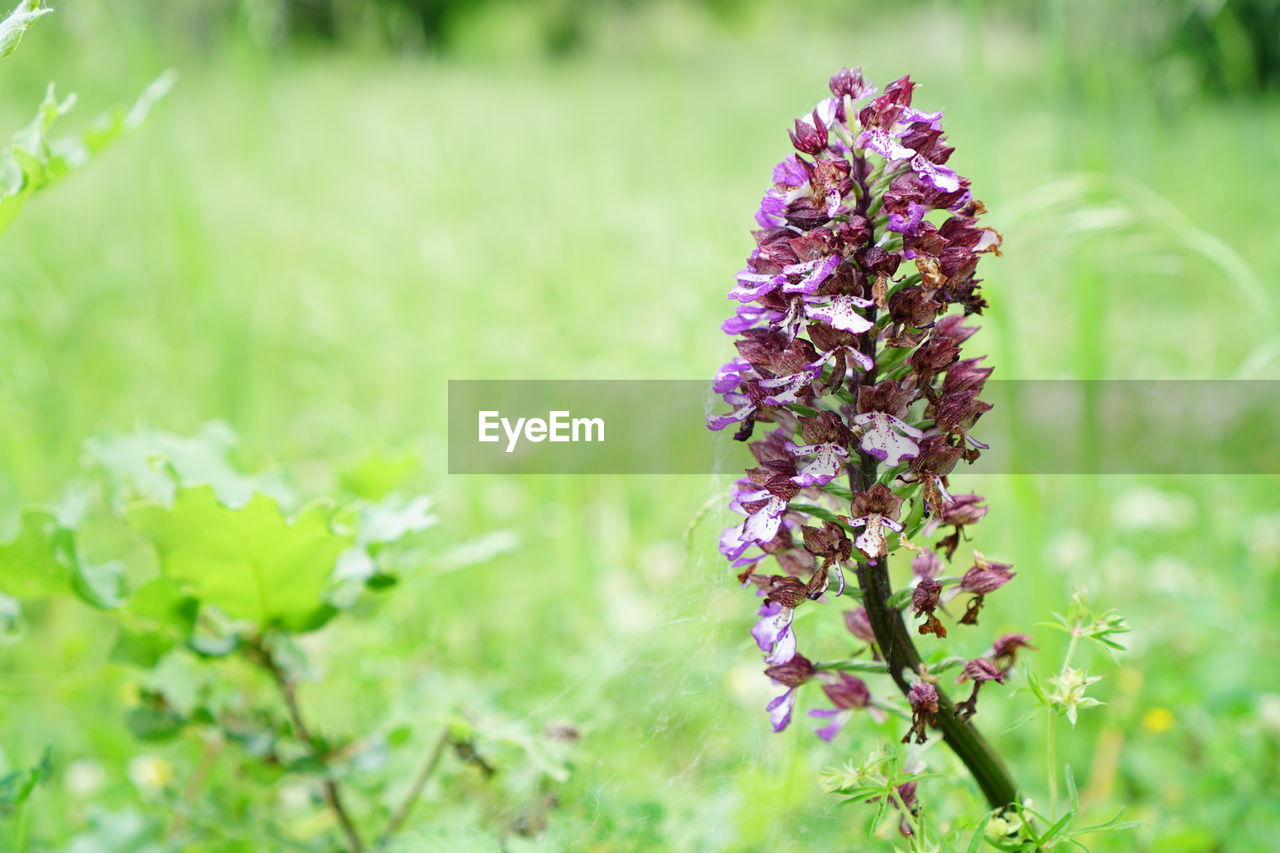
{"x": 307, "y": 245}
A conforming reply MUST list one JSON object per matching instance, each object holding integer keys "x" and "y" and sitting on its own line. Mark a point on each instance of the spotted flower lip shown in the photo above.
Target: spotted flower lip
{"x": 838, "y": 312}
{"x": 888, "y": 438}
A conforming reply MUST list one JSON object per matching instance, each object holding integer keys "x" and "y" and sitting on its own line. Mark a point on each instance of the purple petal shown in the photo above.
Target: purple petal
{"x": 813, "y": 273}
{"x": 909, "y": 224}
{"x": 780, "y": 710}
{"x": 719, "y": 422}
{"x": 754, "y": 285}
{"x": 789, "y": 173}
{"x": 838, "y": 720}
{"x": 785, "y": 649}
{"x": 937, "y": 176}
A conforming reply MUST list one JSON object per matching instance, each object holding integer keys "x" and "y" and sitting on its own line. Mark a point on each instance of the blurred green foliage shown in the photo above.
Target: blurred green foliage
{"x": 306, "y": 243}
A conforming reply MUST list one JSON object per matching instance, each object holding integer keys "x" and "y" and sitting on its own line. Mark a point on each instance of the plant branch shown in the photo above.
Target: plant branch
{"x": 332, "y": 791}
{"x": 420, "y": 779}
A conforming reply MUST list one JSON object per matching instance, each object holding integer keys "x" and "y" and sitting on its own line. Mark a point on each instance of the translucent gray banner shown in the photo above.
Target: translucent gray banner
{"x": 1035, "y": 427}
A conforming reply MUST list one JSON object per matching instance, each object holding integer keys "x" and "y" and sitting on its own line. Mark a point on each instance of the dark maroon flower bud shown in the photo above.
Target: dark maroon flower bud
{"x": 934, "y": 356}
{"x": 793, "y": 673}
{"x": 925, "y": 599}
{"x": 774, "y": 477}
{"x": 771, "y": 448}
{"x": 859, "y": 624}
{"x": 825, "y": 428}
{"x": 923, "y": 699}
{"x": 952, "y": 328}
{"x": 804, "y": 214}
{"x": 933, "y": 463}
{"x": 912, "y": 306}
{"x": 885, "y": 396}
{"x": 876, "y": 261}
{"x": 1005, "y": 649}
{"x": 964, "y": 509}
{"x": 985, "y": 577}
{"x": 966, "y": 375}
{"x": 877, "y": 500}
{"x": 883, "y": 111}
{"x": 846, "y": 82}
{"x": 784, "y": 590}
{"x": 961, "y": 511}
{"x": 851, "y": 234}
{"x": 956, "y": 413}
{"x": 828, "y": 542}
{"x": 979, "y": 671}
{"x": 810, "y": 135}
{"x": 847, "y": 692}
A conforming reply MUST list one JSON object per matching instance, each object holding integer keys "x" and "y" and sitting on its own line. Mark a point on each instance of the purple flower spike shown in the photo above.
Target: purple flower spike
{"x": 865, "y": 263}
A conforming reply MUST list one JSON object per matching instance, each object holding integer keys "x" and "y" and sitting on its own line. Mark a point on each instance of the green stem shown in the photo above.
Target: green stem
{"x": 415, "y": 788}
{"x": 329, "y": 784}
{"x": 1051, "y": 762}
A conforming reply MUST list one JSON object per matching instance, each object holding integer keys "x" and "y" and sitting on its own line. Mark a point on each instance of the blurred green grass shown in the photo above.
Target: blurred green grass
{"x": 308, "y": 247}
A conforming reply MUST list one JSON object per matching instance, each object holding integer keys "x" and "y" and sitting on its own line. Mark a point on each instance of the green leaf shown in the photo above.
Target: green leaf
{"x": 154, "y": 724}
{"x": 376, "y": 475}
{"x": 35, "y": 564}
{"x": 1073, "y": 796}
{"x": 33, "y": 162}
{"x": 42, "y": 560}
{"x": 16, "y": 23}
{"x": 151, "y": 465}
{"x": 17, "y": 787}
{"x": 250, "y": 563}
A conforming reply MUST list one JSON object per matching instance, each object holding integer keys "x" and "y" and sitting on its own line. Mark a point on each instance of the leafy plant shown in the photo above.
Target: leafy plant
{"x": 219, "y": 591}
{"x": 33, "y": 160}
